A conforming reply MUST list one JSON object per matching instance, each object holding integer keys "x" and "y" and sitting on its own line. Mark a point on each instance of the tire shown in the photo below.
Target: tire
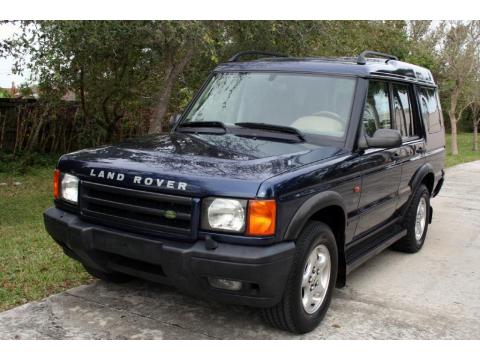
{"x": 291, "y": 314}
{"x": 114, "y": 277}
{"x": 414, "y": 241}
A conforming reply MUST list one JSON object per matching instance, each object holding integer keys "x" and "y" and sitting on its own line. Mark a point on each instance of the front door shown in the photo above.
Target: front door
{"x": 381, "y": 168}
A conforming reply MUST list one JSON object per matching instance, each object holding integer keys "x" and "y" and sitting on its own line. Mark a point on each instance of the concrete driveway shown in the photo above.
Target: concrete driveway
{"x": 431, "y": 295}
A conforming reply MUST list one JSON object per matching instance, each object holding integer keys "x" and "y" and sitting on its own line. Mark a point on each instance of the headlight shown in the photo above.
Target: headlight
{"x": 69, "y": 188}
{"x": 224, "y": 214}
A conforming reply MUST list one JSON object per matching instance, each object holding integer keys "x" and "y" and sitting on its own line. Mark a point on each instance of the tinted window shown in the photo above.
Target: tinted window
{"x": 377, "y": 108}
{"x": 430, "y": 109}
{"x": 402, "y": 110}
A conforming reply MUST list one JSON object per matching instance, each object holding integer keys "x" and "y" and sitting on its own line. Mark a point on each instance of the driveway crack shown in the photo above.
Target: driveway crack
{"x": 192, "y": 330}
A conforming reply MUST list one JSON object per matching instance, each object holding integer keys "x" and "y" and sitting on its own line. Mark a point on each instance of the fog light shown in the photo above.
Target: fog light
{"x": 225, "y": 284}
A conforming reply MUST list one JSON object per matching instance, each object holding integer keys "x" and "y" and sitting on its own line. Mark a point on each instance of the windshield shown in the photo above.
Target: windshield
{"x": 313, "y": 104}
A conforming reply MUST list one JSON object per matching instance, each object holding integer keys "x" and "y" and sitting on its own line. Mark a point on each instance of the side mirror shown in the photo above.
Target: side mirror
{"x": 174, "y": 119}
{"x": 382, "y": 138}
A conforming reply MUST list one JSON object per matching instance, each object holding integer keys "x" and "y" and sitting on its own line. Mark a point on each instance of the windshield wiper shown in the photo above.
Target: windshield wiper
{"x": 272, "y": 127}
{"x": 203, "y": 126}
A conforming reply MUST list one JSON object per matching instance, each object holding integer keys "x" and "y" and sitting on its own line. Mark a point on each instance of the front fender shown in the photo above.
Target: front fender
{"x": 309, "y": 208}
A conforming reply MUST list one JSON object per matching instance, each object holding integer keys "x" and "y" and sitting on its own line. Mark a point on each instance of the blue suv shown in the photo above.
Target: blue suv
{"x": 280, "y": 177}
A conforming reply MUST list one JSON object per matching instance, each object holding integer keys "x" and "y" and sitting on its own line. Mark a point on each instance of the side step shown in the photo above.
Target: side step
{"x": 366, "y": 249}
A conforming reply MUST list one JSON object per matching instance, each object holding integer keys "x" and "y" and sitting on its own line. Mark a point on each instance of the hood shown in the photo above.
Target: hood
{"x": 193, "y": 164}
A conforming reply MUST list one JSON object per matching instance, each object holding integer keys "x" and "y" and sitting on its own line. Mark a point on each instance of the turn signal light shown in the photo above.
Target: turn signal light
{"x": 56, "y": 184}
{"x": 261, "y": 217}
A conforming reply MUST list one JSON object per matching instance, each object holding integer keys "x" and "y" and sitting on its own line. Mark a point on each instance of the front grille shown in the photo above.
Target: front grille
{"x": 136, "y": 210}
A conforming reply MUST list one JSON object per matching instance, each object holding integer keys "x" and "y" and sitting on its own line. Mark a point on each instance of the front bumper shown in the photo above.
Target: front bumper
{"x": 263, "y": 270}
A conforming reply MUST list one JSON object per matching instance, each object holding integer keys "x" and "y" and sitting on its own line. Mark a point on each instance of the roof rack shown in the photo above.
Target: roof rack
{"x": 235, "y": 57}
{"x": 361, "y": 59}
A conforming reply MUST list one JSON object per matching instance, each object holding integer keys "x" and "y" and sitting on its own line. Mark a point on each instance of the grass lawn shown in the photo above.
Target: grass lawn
{"x": 466, "y": 154}
{"x": 32, "y": 266}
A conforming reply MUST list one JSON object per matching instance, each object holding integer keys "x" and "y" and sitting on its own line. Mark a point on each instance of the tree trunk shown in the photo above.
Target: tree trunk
{"x": 475, "y": 136}
{"x": 82, "y": 95}
{"x": 453, "y": 120}
{"x": 163, "y": 99}
{"x": 161, "y": 106}
{"x": 2, "y": 132}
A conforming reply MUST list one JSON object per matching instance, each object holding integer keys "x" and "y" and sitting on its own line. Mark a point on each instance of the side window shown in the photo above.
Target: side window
{"x": 376, "y": 114}
{"x": 402, "y": 111}
{"x": 430, "y": 110}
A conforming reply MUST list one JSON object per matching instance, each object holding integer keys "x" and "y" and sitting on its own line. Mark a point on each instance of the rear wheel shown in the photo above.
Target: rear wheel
{"x": 113, "y": 277}
{"x": 311, "y": 281}
{"x": 416, "y": 222}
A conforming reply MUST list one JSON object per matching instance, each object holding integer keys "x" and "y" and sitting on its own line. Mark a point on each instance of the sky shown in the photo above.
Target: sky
{"x": 6, "y": 76}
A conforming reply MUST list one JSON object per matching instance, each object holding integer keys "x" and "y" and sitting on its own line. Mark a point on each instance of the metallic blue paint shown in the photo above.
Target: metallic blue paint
{"x": 211, "y": 165}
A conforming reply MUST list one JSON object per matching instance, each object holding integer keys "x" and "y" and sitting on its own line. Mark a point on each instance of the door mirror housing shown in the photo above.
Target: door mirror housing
{"x": 174, "y": 119}
{"x": 382, "y": 138}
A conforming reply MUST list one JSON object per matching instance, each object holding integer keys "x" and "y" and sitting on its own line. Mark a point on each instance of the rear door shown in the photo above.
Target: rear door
{"x": 406, "y": 119}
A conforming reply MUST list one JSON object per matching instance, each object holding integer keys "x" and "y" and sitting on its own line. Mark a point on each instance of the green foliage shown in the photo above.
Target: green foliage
{"x": 466, "y": 154}
{"x": 25, "y": 163}
{"x": 127, "y": 75}
{"x": 4, "y": 94}
{"x": 25, "y": 90}
{"x": 32, "y": 266}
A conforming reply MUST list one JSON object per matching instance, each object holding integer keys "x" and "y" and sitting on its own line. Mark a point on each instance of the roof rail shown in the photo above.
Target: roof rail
{"x": 235, "y": 57}
{"x": 361, "y": 59}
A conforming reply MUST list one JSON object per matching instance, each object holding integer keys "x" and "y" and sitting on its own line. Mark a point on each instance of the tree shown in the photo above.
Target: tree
{"x": 102, "y": 62}
{"x": 317, "y": 38}
{"x": 422, "y": 43}
{"x": 472, "y": 95}
{"x": 25, "y": 90}
{"x": 129, "y": 75}
{"x": 114, "y": 67}
{"x": 176, "y": 43}
{"x": 458, "y": 56}
{"x": 475, "y": 123}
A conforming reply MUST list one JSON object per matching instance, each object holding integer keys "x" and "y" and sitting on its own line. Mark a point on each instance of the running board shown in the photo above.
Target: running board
{"x": 374, "y": 247}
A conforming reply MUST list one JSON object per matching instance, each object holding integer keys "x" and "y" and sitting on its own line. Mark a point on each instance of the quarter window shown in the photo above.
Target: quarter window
{"x": 430, "y": 109}
{"x": 376, "y": 114}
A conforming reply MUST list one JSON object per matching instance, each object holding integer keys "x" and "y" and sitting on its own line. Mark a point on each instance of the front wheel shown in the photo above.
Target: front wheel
{"x": 311, "y": 281}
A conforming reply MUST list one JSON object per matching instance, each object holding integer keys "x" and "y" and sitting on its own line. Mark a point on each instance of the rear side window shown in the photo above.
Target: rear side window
{"x": 402, "y": 111}
{"x": 430, "y": 110}
{"x": 376, "y": 114}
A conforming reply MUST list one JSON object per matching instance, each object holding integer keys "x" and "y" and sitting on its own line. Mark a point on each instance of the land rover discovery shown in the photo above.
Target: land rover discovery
{"x": 281, "y": 176}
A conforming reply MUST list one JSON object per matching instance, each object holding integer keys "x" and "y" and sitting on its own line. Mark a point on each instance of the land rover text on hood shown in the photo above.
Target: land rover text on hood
{"x": 280, "y": 177}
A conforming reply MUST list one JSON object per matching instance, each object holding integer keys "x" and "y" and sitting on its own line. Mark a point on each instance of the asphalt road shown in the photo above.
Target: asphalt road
{"x": 434, "y": 294}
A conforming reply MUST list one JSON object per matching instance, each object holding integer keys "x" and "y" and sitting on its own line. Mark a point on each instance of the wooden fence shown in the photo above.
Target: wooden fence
{"x": 30, "y": 125}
